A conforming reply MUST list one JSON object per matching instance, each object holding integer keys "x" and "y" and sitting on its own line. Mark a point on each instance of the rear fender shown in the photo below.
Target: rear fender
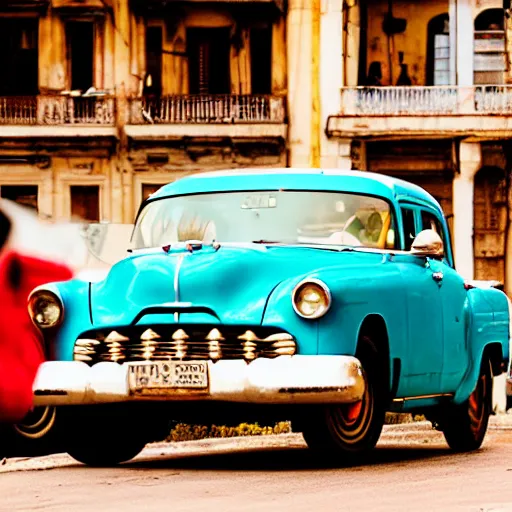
{"x": 488, "y": 335}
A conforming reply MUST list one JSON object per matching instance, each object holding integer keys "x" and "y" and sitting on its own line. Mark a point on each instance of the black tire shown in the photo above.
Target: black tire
{"x": 36, "y": 435}
{"x": 352, "y": 430}
{"x": 103, "y": 439}
{"x": 464, "y": 426}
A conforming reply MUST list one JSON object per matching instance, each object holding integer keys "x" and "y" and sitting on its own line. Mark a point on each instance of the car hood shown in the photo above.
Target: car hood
{"x": 231, "y": 284}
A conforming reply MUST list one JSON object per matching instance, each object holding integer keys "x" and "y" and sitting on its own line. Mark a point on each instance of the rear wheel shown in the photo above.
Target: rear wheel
{"x": 464, "y": 426}
{"x": 352, "y": 429}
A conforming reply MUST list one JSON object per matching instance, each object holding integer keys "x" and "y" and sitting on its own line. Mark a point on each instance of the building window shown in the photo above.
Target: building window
{"x": 85, "y": 202}
{"x": 19, "y": 56}
{"x": 438, "y": 51}
{"x": 208, "y": 57}
{"x": 25, "y": 195}
{"x": 80, "y": 39}
{"x": 153, "y": 82}
{"x": 149, "y": 188}
{"x": 261, "y": 60}
{"x": 490, "y": 61}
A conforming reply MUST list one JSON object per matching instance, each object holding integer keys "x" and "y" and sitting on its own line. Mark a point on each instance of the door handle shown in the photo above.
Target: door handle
{"x": 437, "y": 276}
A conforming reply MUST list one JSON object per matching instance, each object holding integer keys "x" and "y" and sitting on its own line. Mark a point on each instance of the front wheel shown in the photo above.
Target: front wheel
{"x": 464, "y": 426}
{"x": 103, "y": 439}
{"x": 350, "y": 430}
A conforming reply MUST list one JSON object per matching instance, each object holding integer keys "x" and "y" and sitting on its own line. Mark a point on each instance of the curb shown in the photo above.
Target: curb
{"x": 214, "y": 446}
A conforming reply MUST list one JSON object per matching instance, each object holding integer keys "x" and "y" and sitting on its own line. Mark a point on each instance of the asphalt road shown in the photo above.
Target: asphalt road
{"x": 412, "y": 469}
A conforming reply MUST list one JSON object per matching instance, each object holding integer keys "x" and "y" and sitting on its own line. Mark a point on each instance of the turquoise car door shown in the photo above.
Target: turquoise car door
{"x": 453, "y": 300}
{"x": 421, "y": 371}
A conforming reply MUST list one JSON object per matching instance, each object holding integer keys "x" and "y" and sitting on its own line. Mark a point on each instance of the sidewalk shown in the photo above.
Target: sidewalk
{"x": 406, "y": 433}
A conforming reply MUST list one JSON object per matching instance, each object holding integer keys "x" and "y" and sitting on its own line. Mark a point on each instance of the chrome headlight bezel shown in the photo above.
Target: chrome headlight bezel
{"x": 322, "y": 287}
{"x": 35, "y": 301}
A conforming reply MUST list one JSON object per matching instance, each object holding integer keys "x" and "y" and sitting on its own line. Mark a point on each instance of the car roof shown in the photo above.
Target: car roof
{"x": 298, "y": 179}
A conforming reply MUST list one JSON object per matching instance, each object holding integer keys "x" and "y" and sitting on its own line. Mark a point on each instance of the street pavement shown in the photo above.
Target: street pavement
{"x": 412, "y": 469}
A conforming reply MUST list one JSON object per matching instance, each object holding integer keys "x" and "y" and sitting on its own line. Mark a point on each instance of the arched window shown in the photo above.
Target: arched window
{"x": 490, "y": 59}
{"x": 438, "y": 51}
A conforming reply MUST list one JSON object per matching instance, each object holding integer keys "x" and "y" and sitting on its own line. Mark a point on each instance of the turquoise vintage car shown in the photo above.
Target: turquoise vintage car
{"x": 324, "y": 297}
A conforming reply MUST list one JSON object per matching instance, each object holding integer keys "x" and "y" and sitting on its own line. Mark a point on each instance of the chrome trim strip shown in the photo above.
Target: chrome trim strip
{"x": 423, "y": 397}
{"x": 177, "y": 284}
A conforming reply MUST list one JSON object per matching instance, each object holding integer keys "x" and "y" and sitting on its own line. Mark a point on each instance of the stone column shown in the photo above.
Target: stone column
{"x": 462, "y": 34}
{"x": 299, "y": 48}
{"x": 124, "y": 89}
{"x": 508, "y": 49}
{"x": 279, "y": 56}
{"x": 109, "y": 54}
{"x": 452, "y": 13}
{"x": 470, "y": 161}
{"x": 122, "y": 60}
{"x": 331, "y": 79}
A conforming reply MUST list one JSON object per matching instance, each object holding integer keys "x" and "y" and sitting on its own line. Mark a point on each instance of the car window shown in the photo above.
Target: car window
{"x": 430, "y": 221}
{"x": 409, "y": 227}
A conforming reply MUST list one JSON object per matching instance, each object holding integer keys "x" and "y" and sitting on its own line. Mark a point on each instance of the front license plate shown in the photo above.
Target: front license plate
{"x": 165, "y": 377}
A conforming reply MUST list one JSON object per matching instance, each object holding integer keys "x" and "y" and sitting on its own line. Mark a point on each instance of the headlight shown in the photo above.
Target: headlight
{"x": 45, "y": 309}
{"x": 311, "y": 299}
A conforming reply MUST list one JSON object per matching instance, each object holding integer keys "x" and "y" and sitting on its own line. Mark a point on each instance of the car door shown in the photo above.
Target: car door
{"x": 453, "y": 299}
{"x": 424, "y": 316}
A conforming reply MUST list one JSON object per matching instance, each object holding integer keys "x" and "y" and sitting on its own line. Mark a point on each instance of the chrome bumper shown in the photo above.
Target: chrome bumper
{"x": 286, "y": 379}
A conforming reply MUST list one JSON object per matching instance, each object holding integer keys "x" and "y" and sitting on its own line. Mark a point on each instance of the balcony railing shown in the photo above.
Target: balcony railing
{"x": 57, "y": 110}
{"x": 208, "y": 109}
{"x": 426, "y": 101}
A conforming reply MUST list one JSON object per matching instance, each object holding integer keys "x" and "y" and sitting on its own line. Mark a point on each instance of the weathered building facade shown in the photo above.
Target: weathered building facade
{"x": 102, "y": 101}
{"x": 422, "y": 92}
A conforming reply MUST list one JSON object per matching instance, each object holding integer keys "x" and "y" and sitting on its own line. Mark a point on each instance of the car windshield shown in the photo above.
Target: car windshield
{"x": 327, "y": 218}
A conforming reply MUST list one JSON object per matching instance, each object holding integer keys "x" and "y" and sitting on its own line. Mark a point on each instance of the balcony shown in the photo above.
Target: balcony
{"x": 479, "y": 111}
{"x": 208, "y": 116}
{"x": 59, "y": 115}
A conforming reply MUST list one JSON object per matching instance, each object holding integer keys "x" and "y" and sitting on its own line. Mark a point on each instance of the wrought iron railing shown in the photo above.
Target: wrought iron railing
{"x": 18, "y": 110}
{"x": 223, "y": 108}
{"x": 57, "y": 110}
{"x": 426, "y": 100}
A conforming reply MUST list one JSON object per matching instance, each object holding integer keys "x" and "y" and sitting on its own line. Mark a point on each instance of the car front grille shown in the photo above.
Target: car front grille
{"x": 164, "y": 342}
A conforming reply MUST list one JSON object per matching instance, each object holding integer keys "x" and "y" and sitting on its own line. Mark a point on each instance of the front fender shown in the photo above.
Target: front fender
{"x": 353, "y": 300}
{"x": 77, "y": 317}
{"x": 279, "y": 313}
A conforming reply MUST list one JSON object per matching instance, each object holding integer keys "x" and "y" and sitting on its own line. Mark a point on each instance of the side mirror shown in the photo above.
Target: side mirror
{"x": 428, "y": 244}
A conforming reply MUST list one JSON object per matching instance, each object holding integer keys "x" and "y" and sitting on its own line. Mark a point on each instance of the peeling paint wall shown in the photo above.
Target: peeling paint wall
{"x": 117, "y": 167}
{"x": 412, "y": 42}
{"x": 175, "y": 66}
